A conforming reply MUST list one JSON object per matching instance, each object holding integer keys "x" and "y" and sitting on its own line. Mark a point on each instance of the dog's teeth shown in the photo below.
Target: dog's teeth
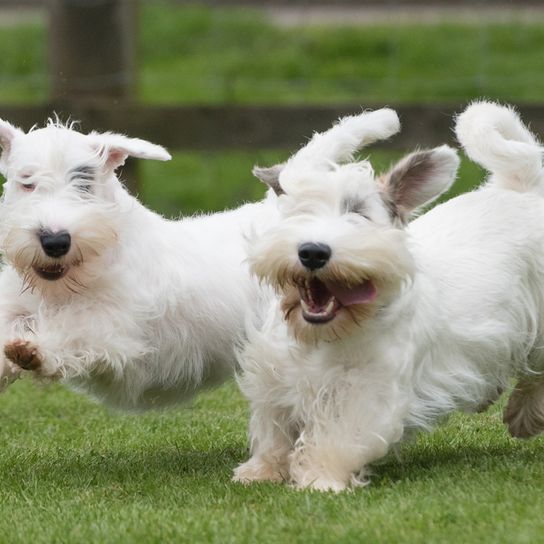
{"x": 327, "y": 311}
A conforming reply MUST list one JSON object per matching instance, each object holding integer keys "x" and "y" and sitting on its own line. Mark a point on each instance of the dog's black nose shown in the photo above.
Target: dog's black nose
{"x": 55, "y": 244}
{"x": 314, "y": 256}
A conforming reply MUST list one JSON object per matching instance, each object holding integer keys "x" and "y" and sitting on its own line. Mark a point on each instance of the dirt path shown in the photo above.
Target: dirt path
{"x": 308, "y": 16}
{"x": 346, "y": 15}
{"x": 15, "y": 16}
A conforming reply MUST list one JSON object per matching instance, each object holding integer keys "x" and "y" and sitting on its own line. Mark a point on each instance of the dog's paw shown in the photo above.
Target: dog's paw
{"x": 258, "y": 470}
{"x": 524, "y": 422}
{"x": 8, "y": 373}
{"x": 484, "y": 405}
{"x": 24, "y": 354}
{"x": 524, "y": 413}
{"x": 322, "y": 484}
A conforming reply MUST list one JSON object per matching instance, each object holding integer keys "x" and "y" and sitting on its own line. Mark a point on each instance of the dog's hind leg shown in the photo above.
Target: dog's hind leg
{"x": 492, "y": 399}
{"x": 524, "y": 413}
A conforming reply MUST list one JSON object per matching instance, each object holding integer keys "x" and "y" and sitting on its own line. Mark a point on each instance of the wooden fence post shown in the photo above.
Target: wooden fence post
{"x": 92, "y": 57}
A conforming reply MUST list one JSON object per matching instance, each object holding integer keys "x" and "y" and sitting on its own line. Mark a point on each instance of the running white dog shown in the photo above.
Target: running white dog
{"x": 105, "y": 294}
{"x": 379, "y": 327}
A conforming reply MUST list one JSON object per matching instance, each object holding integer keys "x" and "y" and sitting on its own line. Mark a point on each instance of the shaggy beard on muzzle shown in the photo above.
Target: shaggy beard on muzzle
{"x": 92, "y": 235}
{"x": 364, "y": 274}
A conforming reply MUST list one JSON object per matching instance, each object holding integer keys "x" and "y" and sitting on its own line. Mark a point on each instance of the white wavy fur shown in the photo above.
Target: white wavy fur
{"x": 464, "y": 314}
{"x": 495, "y": 137}
{"x": 149, "y": 310}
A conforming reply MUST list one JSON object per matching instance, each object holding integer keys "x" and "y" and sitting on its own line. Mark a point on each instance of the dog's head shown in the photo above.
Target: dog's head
{"x": 62, "y": 204}
{"x": 340, "y": 252}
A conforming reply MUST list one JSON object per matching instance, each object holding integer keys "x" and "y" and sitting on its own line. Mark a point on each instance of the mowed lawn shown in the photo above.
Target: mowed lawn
{"x": 73, "y": 471}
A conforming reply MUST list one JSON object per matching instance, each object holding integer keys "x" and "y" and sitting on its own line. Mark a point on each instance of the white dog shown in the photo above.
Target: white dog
{"x": 105, "y": 294}
{"x": 381, "y": 327}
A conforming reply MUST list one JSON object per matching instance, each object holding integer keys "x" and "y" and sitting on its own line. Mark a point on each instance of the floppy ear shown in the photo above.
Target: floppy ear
{"x": 116, "y": 148}
{"x": 7, "y": 134}
{"x": 418, "y": 179}
{"x": 270, "y": 176}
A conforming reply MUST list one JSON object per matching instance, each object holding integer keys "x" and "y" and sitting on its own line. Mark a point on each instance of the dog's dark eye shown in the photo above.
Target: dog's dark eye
{"x": 26, "y": 184}
{"x": 84, "y": 187}
{"x": 355, "y": 206}
{"x": 82, "y": 177}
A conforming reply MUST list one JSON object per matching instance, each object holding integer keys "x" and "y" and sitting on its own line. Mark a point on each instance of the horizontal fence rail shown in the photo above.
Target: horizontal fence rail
{"x": 249, "y": 127}
{"x": 384, "y": 4}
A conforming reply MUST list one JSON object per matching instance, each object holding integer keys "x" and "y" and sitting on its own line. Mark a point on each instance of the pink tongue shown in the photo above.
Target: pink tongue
{"x": 363, "y": 293}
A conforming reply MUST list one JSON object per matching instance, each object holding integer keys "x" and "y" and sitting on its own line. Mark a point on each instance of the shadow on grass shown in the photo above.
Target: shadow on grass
{"x": 152, "y": 467}
{"x": 425, "y": 462}
{"x": 157, "y": 467}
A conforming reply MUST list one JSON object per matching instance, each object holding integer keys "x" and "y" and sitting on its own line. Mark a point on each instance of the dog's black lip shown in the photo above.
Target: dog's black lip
{"x": 51, "y": 273}
{"x": 317, "y": 320}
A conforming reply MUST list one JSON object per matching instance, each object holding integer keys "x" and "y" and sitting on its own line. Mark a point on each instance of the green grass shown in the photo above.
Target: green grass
{"x": 23, "y": 63}
{"x": 73, "y": 472}
{"x": 238, "y": 56}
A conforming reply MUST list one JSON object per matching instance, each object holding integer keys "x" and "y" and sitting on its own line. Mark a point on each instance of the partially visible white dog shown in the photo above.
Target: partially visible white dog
{"x": 105, "y": 294}
{"x": 381, "y": 326}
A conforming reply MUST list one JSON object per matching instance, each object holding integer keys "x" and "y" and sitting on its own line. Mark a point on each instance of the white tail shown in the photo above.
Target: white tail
{"x": 495, "y": 137}
{"x": 348, "y": 135}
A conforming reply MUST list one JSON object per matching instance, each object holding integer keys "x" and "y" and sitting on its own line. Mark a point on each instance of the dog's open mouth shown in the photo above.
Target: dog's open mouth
{"x": 320, "y": 301}
{"x": 51, "y": 272}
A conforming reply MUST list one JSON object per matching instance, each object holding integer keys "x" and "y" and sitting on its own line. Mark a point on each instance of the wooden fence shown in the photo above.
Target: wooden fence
{"x": 249, "y": 127}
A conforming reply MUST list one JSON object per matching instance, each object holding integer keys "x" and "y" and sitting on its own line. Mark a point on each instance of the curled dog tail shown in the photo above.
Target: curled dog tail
{"x": 348, "y": 135}
{"x": 495, "y": 137}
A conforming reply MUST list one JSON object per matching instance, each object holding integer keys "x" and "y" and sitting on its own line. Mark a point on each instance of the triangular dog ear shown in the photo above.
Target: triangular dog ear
{"x": 7, "y": 134}
{"x": 418, "y": 179}
{"x": 116, "y": 148}
{"x": 270, "y": 176}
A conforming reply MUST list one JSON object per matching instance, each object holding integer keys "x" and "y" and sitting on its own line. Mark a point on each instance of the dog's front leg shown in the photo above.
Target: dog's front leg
{"x": 28, "y": 353}
{"x": 344, "y": 437}
{"x": 8, "y": 372}
{"x": 271, "y": 441}
{"x": 52, "y": 352}
{"x": 16, "y": 320}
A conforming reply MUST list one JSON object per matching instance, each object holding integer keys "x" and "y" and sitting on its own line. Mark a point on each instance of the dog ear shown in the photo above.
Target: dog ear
{"x": 270, "y": 176}
{"x": 418, "y": 179}
{"x": 116, "y": 148}
{"x": 7, "y": 134}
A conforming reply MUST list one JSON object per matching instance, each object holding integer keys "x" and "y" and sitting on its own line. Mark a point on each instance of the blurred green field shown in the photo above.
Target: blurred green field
{"x": 213, "y": 55}
{"x": 238, "y": 56}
